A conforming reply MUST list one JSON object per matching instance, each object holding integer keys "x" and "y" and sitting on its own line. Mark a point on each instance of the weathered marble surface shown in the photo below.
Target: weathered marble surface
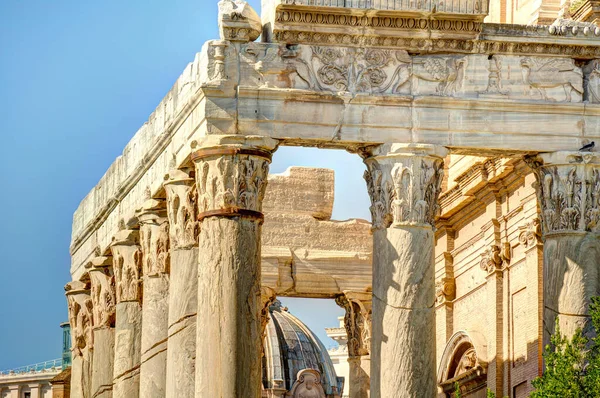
{"x": 128, "y": 336}
{"x": 102, "y": 364}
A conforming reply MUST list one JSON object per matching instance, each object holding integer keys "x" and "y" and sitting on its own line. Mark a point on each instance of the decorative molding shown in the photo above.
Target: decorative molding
{"x": 238, "y": 21}
{"x": 182, "y": 211}
{"x": 404, "y": 188}
{"x": 445, "y": 290}
{"x": 530, "y": 234}
{"x": 357, "y": 321}
{"x": 494, "y": 258}
{"x": 308, "y": 384}
{"x": 102, "y": 292}
{"x": 568, "y": 189}
{"x": 154, "y": 238}
{"x": 127, "y": 265}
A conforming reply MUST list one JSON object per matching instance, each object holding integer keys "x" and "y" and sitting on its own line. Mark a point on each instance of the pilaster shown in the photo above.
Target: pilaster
{"x": 182, "y": 213}
{"x": 357, "y": 322}
{"x": 568, "y": 188}
{"x": 104, "y": 302}
{"x": 154, "y": 242}
{"x": 231, "y": 175}
{"x": 127, "y": 263}
{"x": 80, "y": 318}
{"x": 404, "y": 182}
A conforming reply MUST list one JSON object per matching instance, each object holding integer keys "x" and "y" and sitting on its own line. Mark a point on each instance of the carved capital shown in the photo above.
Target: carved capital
{"x": 357, "y": 321}
{"x": 154, "y": 237}
{"x": 181, "y": 209}
{"x": 445, "y": 290}
{"x": 495, "y": 258}
{"x": 102, "y": 292}
{"x": 127, "y": 265}
{"x": 568, "y": 189}
{"x": 231, "y": 175}
{"x": 80, "y": 317}
{"x": 530, "y": 233}
{"x": 238, "y": 21}
{"x": 404, "y": 183}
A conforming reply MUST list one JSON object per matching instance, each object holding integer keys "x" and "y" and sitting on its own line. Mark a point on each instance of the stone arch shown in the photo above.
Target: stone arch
{"x": 464, "y": 362}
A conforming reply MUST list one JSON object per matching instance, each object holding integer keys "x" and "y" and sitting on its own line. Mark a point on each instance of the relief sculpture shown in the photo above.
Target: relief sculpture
{"x": 541, "y": 74}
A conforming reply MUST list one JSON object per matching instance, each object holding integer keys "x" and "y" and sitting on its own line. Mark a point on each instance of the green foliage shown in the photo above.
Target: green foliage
{"x": 457, "y": 393}
{"x": 572, "y": 365}
{"x": 490, "y": 394}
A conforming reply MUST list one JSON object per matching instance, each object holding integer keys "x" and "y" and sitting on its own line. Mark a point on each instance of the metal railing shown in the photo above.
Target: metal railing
{"x": 54, "y": 364}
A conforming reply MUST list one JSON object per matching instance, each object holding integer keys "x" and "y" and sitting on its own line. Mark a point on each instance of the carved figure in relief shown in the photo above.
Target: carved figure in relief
{"x": 541, "y": 74}
{"x": 449, "y": 72}
{"x": 467, "y": 362}
{"x": 308, "y": 385}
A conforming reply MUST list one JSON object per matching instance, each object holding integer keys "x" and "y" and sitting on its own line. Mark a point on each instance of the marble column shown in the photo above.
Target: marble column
{"x": 183, "y": 298}
{"x": 80, "y": 318}
{"x": 404, "y": 182}
{"x": 154, "y": 242}
{"x": 127, "y": 262}
{"x": 568, "y": 187}
{"x": 104, "y": 301}
{"x": 357, "y": 322}
{"x": 231, "y": 175}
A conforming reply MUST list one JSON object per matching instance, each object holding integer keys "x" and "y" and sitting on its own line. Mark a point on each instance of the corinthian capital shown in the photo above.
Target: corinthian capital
{"x": 154, "y": 237}
{"x": 404, "y": 182}
{"x": 357, "y": 321}
{"x": 102, "y": 292}
{"x": 182, "y": 211}
{"x": 231, "y": 174}
{"x": 80, "y": 316}
{"x": 568, "y": 189}
{"x": 127, "y": 264}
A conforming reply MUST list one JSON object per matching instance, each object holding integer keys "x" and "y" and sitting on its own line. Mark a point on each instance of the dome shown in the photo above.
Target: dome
{"x": 290, "y": 346}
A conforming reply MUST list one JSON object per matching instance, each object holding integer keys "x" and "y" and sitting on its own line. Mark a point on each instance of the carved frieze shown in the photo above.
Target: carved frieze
{"x": 530, "y": 233}
{"x": 495, "y": 258}
{"x": 127, "y": 265}
{"x": 102, "y": 292}
{"x": 357, "y": 321}
{"x": 182, "y": 211}
{"x": 568, "y": 188}
{"x": 540, "y": 74}
{"x": 404, "y": 187}
{"x": 445, "y": 290}
{"x": 154, "y": 237}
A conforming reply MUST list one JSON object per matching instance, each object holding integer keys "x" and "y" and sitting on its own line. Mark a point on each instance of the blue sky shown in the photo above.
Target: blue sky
{"x": 77, "y": 79}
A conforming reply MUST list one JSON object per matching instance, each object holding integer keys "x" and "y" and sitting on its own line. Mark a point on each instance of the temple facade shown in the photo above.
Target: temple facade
{"x": 477, "y": 134}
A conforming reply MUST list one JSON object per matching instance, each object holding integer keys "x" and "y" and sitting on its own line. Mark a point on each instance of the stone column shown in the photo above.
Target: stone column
{"x": 404, "y": 182}
{"x": 357, "y": 322}
{"x": 127, "y": 262}
{"x": 104, "y": 301}
{"x": 183, "y": 297}
{"x": 569, "y": 197}
{"x": 80, "y": 318}
{"x": 154, "y": 240}
{"x": 231, "y": 175}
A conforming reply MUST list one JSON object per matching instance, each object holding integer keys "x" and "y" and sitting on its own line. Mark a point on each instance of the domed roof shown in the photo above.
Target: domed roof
{"x": 291, "y": 346}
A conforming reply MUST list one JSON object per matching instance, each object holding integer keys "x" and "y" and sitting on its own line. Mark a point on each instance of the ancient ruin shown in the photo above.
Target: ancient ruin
{"x": 485, "y": 211}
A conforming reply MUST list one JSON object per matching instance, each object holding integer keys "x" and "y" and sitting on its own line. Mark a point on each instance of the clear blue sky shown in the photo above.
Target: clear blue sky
{"x": 77, "y": 79}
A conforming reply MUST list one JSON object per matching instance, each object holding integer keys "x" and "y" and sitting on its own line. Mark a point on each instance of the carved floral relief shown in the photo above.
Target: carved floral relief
{"x": 80, "y": 319}
{"x": 127, "y": 265}
{"x": 103, "y": 297}
{"x": 154, "y": 240}
{"x": 357, "y": 322}
{"x": 494, "y": 258}
{"x": 182, "y": 209}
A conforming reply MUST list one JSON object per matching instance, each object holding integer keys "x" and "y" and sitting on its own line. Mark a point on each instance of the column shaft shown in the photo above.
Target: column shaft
{"x": 154, "y": 239}
{"x": 128, "y": 325}
{"x": 231, "y": 173}
{"x": 80, "y": 318}
{"x": 183, "y": 302}
{"x": 404, "y": 182}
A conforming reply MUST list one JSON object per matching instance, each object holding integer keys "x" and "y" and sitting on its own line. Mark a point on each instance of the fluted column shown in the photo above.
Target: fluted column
{"x": 231, "y": 175}
{"x": 154, "y": 242}
{"x": 183, "y": 290}
{"x": 104, "y": 301}
{"x": 127, "y": 262}
{"x": 569, "y": 197}
{"x": 404, "y": 183}
{"x": 357, "y": 322}
{"x": 80, "y": 318}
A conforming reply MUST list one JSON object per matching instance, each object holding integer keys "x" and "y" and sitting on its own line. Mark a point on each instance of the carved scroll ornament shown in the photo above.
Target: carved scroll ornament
{"x": 568, "y": 189}
{"x": 445, "y": 290}
{"x": 531, "y": 233}
{"x": 495, "y": 258}
{"x": 182, "y": 211}
{"x": 404, "y": 190}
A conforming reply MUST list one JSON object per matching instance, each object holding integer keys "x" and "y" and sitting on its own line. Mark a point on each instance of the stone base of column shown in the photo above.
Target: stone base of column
{"x": 102, "y": 365}
{"x": 128, "y": 331}
{"x": 571, "y": 279}
{"x": 403, "y": 313}
{"x": 153, "y": 368}
{"x": 183, "y": 306}
{"x": 360, "y": 379}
